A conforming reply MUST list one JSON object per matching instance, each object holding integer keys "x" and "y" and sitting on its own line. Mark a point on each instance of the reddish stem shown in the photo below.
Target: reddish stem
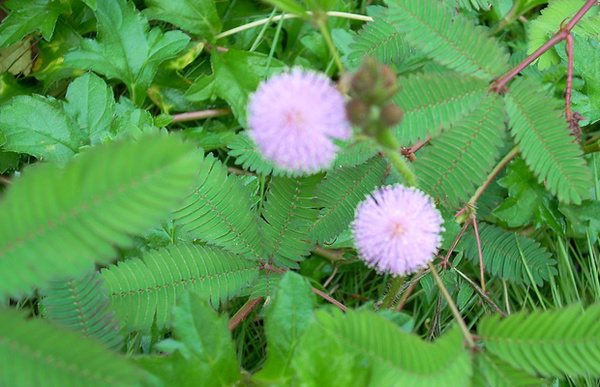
{"x": 480, "y": 254}
{"x": 199, "y": 115}
{"x": 569, "y": 50}
{"x": 243, "y": 312}
{"x": 445, "y": 262}
{"x": 499, "y": 85}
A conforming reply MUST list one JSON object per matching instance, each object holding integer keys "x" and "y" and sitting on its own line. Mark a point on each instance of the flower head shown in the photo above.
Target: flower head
{"x": 397, "y": 230}
{"x": 293, "y": 118}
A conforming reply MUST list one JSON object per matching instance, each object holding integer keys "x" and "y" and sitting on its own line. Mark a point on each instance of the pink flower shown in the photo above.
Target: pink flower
{"x": 397, "y": 230}
{"x": 293, "y": 118}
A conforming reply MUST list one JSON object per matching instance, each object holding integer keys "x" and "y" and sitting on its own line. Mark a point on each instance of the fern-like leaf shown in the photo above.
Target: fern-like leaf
{"x": 434, "y": 102}
{"x": 219, "y": 212}
{"x": 35, "y": 353}
{"x": 141, "y": 290}
{"x": 288, "y": 213}
{"x": 491, "y": 371}
{"x": 265, "y": 285}
{"x": 545, "y": 142}
{"x": 247, "y": 155}
{"x": 460, "y": 158}
{"x": 339, "y": 194}
{"x": 549, "y": 343}
{"x": 379, "y": 39}
{"x": 81, "y": 304}
{"x": 510, "y": 256}
{"x": 56, "y": 223}
{"x": 396, "y": 357}
{"x": 448, "y": 38}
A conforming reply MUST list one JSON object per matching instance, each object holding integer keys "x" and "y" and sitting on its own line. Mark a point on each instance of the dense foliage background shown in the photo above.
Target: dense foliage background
{"x": 144, "y": 239}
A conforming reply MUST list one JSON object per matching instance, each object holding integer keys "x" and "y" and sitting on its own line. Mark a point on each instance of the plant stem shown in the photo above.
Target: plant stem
{"x": 199, "y": 115}
{"x": 453, "y": 307}
{"x": 500, "y": 83}
{"x": 257, "y": 23}
{"x": 322, "y": 23}
{"x": 396, "y": 285}
{"x": 492, "y": 175}
{"x": 243, "y": 312}
{"x": 591, "y": 148}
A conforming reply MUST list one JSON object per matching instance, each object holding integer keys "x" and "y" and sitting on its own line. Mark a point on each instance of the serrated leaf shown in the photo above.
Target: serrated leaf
{"x": 491, "y": 371}
{"x": 528, "y": 201}
{"x": 34, "y": 353}
{"x": 199, "y": 17}
{"x": 285, "y": 326}
{"x": 236, "y": 74}
{"x": 200, "y": 352}
{"x": 57, "y": 222}
{"x": 39, "y": 126}
{"x": 28, "y": 16}
{"x": 126, "y": 49}
{"x": 91, "y": 104}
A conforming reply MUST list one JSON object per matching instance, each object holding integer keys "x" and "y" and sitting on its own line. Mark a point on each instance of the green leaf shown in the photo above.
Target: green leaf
{"x": 91, "y": 104}
{"x": 288, "y": 213}
{"x": 433, "y": 102}
{"x": 528, "y": 201}
{"x": 200, "y": 352}
{"x": 491, "y": 371}
{"x": 81, "y": 304}
{"x": 219, "y": 212}
{"x": 39, "y": 126}
{"x": 545, "y": 141}
{"x": 286, "y": 320}
{"x": 396, "y": 357}
{"x": 551, "y": 343}
{"x": 35, "y": 353}
{"x": 125, "y": 48}
{"x": 143, "y": 291}
{"x": 11, "y": 88}
{"x": 56, "y": 223}
{"x": 583, "y": 217}
{"x": 339, "y": 194}
{"x": 448, "y": 38}
{"x": 510, "y": 256}
{"x": 236, "y": 75}
{"x": 199, "y": 18}
{"x": 458, "y": 160}
{"x": 28, "y": 16}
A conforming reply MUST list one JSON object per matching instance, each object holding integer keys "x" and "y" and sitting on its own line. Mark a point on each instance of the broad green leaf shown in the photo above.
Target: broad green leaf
{"x": 28, "y": 16}
{"x": 91, "y": 104}
{"x": 8, "y": 160}
{"x": 126, "y": 49}
{"x": 56, "y": 223}
{"x": 200, "y": 352}
{"x": 40, "y": 127}
{"x": 286, "y": 321}
{"x": 198, "y": 17}
{"x": 236, "y": 75}
{"x": 10, "y": 88}
{"x": 35, "y": 353}
{"x": 583, "y": 217}
{"x": 528, "y": 201}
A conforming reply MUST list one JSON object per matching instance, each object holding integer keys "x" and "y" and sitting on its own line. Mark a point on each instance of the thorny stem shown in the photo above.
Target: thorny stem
{"x": 461, "y": 323}
{"x": 480, "y": 252}
{"x": 257, "y": 23}
{"x": 243, "y": 312}
{"x": 500, "y": 83}
{"x": 569, "y": 50}
{"x": 396, "y": 285}
{"x": 201, "y": 114}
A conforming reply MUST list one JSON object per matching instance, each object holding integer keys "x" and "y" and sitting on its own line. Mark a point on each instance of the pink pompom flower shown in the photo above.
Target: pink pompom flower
{"x": 293, "y": 118}
{"x": 397, "y": 230}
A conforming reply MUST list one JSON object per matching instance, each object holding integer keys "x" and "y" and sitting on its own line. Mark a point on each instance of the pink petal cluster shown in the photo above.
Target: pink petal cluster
{"x": 293, "y": 118}
{"x": 397, "y": 230}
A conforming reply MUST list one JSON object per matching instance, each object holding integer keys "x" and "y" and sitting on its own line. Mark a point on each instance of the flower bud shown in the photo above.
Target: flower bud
{"x": 391, "y": 115}
{"x": 358, "y": 112}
